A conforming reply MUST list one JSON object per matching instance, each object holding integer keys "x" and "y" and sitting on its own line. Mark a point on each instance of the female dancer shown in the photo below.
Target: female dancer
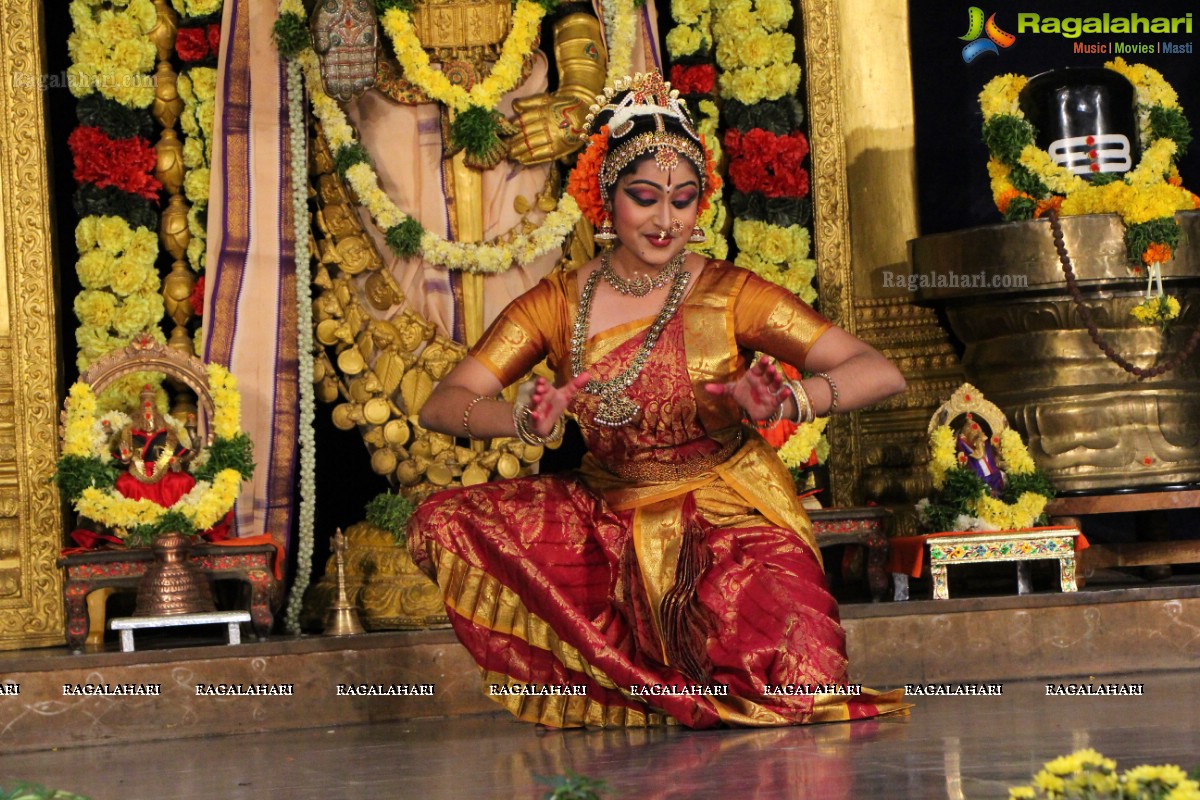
{"x": 674, "y": 576}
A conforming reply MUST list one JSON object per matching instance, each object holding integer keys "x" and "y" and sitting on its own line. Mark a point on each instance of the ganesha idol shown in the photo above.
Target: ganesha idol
{"x": 156, "y": 452}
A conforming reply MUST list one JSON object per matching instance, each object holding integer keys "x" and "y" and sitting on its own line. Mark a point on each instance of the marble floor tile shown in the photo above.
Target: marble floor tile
{"x": 949, "y": 747}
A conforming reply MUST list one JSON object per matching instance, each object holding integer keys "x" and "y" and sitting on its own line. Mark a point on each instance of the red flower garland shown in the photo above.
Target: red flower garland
{"x": 127, "y": 164}
{"x": 197, "y": 298}
{"x": 760, "y": 161}
{"x": 191, "y": 44}
{"x": 694, "y": 78}
{"x": 197, "y": 43}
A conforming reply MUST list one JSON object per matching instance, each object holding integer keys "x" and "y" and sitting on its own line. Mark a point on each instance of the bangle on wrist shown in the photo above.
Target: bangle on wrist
{"x": 467, "y": 414}
{"x": 522, "y": 424}
{"x": 833, "y": 393}
{"x": 804, "y": 406}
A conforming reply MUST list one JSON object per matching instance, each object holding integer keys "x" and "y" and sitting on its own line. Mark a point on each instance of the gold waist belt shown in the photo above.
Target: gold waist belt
{"x": 461, "y": 24}
{"x": 657, "y": 472}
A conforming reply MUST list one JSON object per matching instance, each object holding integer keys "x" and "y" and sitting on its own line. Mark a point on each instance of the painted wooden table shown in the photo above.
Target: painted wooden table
{"x": 867, "y": 526}
{"x": 93, "y": 572}
{"x": 1021, "y": 547}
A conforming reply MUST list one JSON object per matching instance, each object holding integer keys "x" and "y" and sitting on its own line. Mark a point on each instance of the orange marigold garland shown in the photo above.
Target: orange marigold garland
{"x": 584, "y": 181}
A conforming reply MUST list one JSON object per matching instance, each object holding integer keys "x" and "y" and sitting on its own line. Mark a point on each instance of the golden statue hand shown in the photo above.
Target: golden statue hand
{"x": 345, "y": 35}
{"x": 548, "y": 127}
{"x": 548, "y": 402}
{"x": 757, "y": 391}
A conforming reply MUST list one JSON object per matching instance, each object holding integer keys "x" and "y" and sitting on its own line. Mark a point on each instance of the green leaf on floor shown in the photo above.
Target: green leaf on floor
{"x": 571, "y": 786}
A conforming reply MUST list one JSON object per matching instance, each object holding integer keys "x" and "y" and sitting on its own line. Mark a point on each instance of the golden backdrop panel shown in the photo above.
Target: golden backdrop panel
{"x": 31, "y": 601}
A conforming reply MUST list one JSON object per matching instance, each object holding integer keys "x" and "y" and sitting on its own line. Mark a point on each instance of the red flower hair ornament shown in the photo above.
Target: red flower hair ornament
{"x": 608, "y": 150}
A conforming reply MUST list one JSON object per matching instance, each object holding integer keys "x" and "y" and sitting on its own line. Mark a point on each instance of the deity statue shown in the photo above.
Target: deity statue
{"x": 975, "y": 448}
{"x": 457, "y": 195}
{"x": 156, "y": 453}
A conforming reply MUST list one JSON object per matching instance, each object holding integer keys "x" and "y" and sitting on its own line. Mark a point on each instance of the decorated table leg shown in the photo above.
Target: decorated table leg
{"x": 263, "y": 589}
{"x": 1066, "y": 573}
{"x": 877, "y": 577}
{"x": 96, "y": 601}
{"x": 75, "y": 593}
{"x": 941, "y": 591}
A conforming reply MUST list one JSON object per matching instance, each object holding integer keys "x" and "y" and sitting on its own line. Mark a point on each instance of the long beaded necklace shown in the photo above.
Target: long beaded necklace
{"x": 615, "y": 408}
{"x": 641, "y": 285}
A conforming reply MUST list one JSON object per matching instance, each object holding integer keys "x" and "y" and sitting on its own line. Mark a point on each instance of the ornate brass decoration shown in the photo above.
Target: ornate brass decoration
{"x": 144, "y": 354}
{"x": 462, "y": 30}
{"x": 31, "y": 600}
{"x": 382, "y": 360}
{"x": 342, "y": 619}
{"x": 171, "y": 584}
{"x": 1089, "y": 425}
{"x": 381, "y": 581}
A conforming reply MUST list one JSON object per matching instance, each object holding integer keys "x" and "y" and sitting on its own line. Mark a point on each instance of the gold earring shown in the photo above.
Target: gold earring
{"x": 605, "y": 232}
{"x": 697, "y": 235}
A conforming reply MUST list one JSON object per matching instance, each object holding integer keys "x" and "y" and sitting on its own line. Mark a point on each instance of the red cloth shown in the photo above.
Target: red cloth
{"x": 906, "y": 554}
{"x": 164, "y": 492}
{"x": 250, "y": 541}
{"x": 543, "y": 582}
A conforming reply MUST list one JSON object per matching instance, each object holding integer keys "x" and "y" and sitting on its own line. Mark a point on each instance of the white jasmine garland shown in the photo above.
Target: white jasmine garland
{"x": 620, "y": 24}
{"x": 308, "y": 452}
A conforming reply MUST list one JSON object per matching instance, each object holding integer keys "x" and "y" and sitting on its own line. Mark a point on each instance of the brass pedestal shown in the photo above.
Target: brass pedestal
{"x": 1089, "y": 425}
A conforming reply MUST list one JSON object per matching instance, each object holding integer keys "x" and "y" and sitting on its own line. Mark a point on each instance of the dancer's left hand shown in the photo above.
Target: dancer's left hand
{"x": 757, "y": 391}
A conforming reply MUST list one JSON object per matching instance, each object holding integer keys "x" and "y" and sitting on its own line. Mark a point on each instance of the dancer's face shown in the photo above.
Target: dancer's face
{"x": 654, "y": 211}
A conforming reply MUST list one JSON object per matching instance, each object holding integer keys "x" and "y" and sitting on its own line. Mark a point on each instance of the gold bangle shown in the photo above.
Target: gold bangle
{"x": 467, "y": 415}
{"x": 804, "y": 406}
{"x": 833, "y": 393}
{"x": 525, "y": 432}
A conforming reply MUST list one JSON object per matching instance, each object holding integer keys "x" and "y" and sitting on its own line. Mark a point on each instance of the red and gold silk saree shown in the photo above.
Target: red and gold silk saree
{"x": 675, "y": 575}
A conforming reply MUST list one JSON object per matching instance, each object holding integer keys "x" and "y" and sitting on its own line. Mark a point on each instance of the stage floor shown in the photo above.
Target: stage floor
{"x": 950, "y": 746}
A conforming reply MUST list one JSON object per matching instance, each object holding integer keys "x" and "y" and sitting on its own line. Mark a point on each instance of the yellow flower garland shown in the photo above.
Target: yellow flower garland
{"x": 204, "y": 505}
{"x": 111, "y": 52}
{"x": 1013, "y": 456}
{"x": 526, "y": 21}
{"x": 488, "y": 258}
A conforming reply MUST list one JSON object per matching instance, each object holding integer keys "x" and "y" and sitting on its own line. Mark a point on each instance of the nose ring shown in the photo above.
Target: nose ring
{"x": 676, "y": 227}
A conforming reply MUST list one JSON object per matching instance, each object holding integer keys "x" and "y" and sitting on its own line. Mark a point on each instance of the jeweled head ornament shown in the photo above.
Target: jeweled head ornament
{"x": 625, "y": 113}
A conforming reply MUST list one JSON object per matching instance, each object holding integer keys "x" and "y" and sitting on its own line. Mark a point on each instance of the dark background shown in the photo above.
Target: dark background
{"x": 953, "y": 191}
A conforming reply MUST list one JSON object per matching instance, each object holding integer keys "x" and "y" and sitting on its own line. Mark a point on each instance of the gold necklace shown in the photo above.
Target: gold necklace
{"x": 615, "y": 408}
{"x": 641, "y": 285}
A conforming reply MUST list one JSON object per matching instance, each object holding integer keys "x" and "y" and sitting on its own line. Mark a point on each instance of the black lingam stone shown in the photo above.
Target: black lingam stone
{"x": 1086, "y": 118}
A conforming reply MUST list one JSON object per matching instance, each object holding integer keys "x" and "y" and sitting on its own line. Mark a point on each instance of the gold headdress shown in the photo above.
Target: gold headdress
{"x": 610, "y": 151}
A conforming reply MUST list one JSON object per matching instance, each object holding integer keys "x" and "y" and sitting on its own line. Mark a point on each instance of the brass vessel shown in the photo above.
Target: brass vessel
{"x": 1090, "y": 425}
{"x": 171, "y": 585}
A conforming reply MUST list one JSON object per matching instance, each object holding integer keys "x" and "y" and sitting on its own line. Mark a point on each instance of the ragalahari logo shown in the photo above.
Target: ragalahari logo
{"x": 983, "y": 37}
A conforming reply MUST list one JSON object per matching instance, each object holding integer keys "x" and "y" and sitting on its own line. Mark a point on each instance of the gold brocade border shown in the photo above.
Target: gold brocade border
{"x": 32, "y": 613}
{"x": 476, "y": 596}
{"x": 831, "y": 215}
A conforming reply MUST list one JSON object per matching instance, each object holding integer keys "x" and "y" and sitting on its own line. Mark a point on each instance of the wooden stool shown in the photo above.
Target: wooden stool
{"x": 867, "y": 526}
